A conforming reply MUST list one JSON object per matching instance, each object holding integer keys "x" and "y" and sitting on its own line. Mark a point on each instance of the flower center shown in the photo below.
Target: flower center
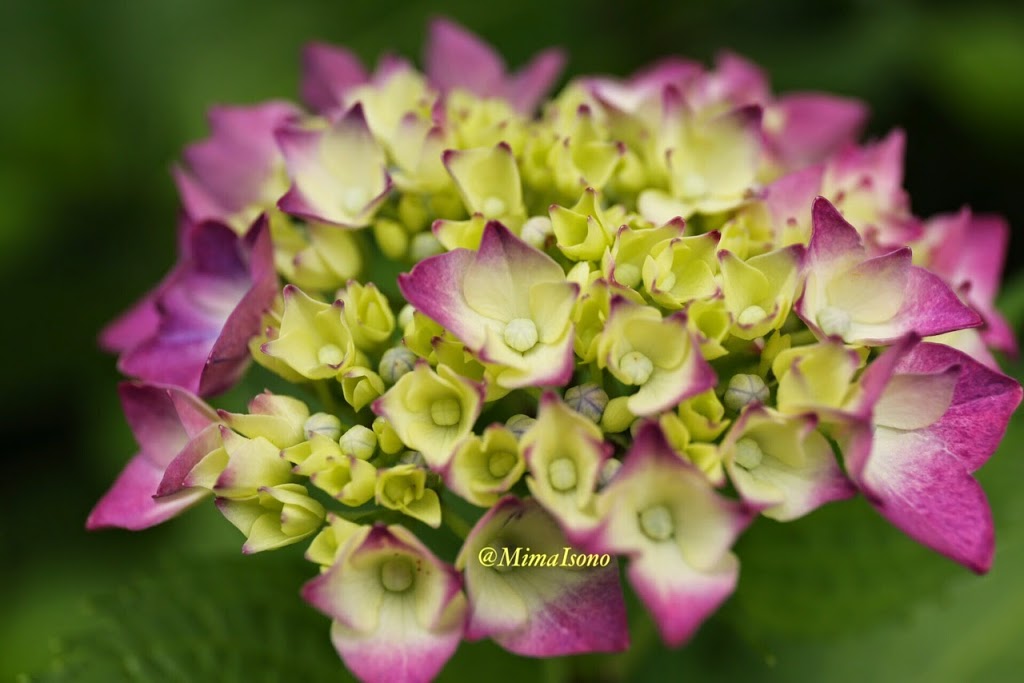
{"x": 656, "y": 523}
{"x": 330, "y": 354}
{"x": 834, "y": 322}
{"x": 562, "y": 473}
{"x": 521, "y": 334}
{"x": 501, "y": 463}
{"x": 748, "y": 454}
{"x": 445, "y": 412}
{"x": 493, "y": 207}
{"x": 744, "y": 390}
{"x": 396, "y": 575}
{"x": 636, "y": 367}
{"x": 751, "y": 315}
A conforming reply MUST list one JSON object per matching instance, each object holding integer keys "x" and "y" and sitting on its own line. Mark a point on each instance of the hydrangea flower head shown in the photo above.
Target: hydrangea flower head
{"x": 609, "y": 330}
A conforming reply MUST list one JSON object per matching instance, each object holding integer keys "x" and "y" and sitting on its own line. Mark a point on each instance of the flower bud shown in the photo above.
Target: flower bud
{"x": 391, "y": 237}
{"x": 361, "y": 387}
{"x": 387, "y": 438}
{"x": 616, "y": 416}
{"x": 359, "y": 442}
{"x": 324, "y": 424}
{"x": 589, "y": 400}
{"x": 744, "y": 390}
{"x": 518, "y": 424}
{"x": 395, "y": 362}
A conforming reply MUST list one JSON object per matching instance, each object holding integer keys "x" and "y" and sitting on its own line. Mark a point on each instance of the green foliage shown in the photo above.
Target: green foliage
{"x": 214, "y": 619}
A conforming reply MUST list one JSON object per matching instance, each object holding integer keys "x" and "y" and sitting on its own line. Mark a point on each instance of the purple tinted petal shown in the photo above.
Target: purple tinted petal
{"x": 983, "y": 402}
{"x": 832, "y": 238}
{"x": 529, "y": 85}
{"x": 129, "y": 504}
{"x": 328, "y": 73}
{"x": 456, "y": 58}
{"x": 814, "y": 126}
{"x": 926, "y": 492}
{"x": 931, "y": 307}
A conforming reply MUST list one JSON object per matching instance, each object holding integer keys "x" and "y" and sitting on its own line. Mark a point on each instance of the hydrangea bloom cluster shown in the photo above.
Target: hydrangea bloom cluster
{"x": 621, "y": 323}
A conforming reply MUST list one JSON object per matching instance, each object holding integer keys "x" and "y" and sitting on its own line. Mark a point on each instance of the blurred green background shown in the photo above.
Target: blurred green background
{"x": 100, "y": 96}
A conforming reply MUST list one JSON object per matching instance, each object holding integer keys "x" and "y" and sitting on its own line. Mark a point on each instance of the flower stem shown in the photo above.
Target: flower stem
{"x": 455, "y": 523}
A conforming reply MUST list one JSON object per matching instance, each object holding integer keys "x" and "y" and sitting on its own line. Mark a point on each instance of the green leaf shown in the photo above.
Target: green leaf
{"x": 213, "y": 619}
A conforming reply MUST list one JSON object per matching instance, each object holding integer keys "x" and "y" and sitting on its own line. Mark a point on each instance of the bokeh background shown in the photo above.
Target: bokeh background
{"x": 99, "y": 97}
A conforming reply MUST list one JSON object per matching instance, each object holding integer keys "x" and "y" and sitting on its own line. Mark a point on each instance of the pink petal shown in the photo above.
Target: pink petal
{"x": 814, "y": 126}
{"x": 129, "y": 504}
{"x": 527, "y": 87}
{"x": 328, "y": 73}
{"x": 456, "y": 58}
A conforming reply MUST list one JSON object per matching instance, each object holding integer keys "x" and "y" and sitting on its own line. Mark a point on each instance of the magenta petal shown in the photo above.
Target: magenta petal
{"x": 134, "y": 325}
{"x": 163, "y": 419}
{"x": 587, "y": 617}
{"x": 129, "y": 504}
{"x": 231, "y": 170}
{"x": 790, "y": 198}
{"x": 815, "y": 125}
{"x": 930, "y": 307}
{"x": 927, "y": 493}
{"x": 434, "y": 287}
{"x": 832, "y": 238}
{"x": 208, "y": 311}
{"x": 983, "y": 402}
{"x": 681, "y": 605}
{"x": 456, "y": 58}
{"x": 229, "y": 356}
{"x": 528, "y": 86}
{"x": 387, "y": 660}
{"x": 539, "y": 611}
{"x": 328, "y": 73}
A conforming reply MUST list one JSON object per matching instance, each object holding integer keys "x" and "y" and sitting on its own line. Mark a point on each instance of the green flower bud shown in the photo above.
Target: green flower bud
{"x": 589, "y": 400}
{"x": 275, "y": 517}
{"x": 519, "y": 424}
{"x": 391, "y": 237}
{"x": 617, "y": 416}
{"x": 361, "y": 387}
{"x": 359, "y": 442}
{"x": 323, "y": 424}
{"x": 387, "y": 438}
{"x": 403, "y": 488}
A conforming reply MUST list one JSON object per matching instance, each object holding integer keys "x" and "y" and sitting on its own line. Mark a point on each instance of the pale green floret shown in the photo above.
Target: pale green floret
{"x": 833, "y": 321}
{"x": 636, "y": 367}
{"x": 751, "y": 315}
{"x": 324, "y": 424}
{"x": 330, "y": 354}
{"x": 359, "y": 442}
{"x": 748, "y": 454}
{"x": 657, "y": 524}
{"x": 744, "y": 390}
{"x": 445, "y": 412}
{"x": 627, "y": 275}
{"x": 562, "y": 474}
{"x": 396, "y": 575}
{"x": 396, "y": 362}
{"x": 589, "y": 400}
{"x": 521, "y": 334}
{"x": 500, "y": 463}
